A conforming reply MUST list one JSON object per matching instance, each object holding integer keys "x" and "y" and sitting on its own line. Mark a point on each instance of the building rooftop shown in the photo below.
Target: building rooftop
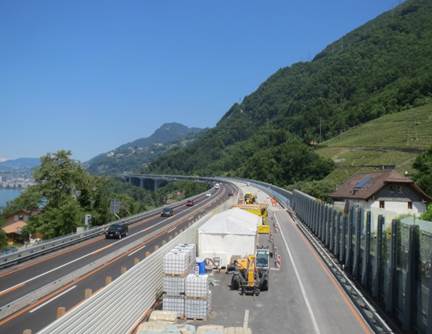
{"x": 364, "y": 186}
{"x": 15, "y": 227}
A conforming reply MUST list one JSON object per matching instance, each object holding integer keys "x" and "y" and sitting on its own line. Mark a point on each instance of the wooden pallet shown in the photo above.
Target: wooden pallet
{"x": 196, "y": 298}
{"x": 177, "y": 275}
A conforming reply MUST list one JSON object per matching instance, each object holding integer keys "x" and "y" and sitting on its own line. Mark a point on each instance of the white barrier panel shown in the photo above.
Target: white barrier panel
{"x": 119, "y": 306}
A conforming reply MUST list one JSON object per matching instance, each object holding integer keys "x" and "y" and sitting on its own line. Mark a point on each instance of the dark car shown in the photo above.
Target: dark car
{"x": 167, "y": 212}
{"x": 230, "y": 194}
{"x": 116, "y": 231}
{"x": 190, "y": 203}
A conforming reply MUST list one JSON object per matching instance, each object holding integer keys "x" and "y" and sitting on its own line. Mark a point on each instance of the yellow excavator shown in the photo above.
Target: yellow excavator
{"x": 251, "y": 273}
{"x": 249, "y": 198}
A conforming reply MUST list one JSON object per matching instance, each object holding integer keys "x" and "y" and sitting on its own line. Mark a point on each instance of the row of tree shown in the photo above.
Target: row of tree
{"x": 65, "y": 192}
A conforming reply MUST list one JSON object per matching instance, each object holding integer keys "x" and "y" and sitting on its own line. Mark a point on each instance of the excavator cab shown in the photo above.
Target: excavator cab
{"x": 248, "y": 278}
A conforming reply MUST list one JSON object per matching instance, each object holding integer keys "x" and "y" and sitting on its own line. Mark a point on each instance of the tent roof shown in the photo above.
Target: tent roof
{"x": 232, "y": 221}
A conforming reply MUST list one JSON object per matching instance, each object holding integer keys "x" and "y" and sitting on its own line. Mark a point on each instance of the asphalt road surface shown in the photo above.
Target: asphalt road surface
{"x": 24, "y": 278}
{"x": 303, "y": 295}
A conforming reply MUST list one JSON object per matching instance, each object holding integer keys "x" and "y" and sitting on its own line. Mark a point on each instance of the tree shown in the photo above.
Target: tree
{"x": 428, "y": 214}
{"x": 423, "y": 176}
{"x": 3, "y": 238}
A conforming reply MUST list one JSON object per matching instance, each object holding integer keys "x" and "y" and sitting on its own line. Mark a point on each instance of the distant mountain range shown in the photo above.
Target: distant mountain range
{"x": 19, "y": 164}
{"x": 134, "y": 156}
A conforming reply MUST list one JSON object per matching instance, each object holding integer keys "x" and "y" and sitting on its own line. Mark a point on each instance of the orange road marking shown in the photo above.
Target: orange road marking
{"x": 84, "y": 276}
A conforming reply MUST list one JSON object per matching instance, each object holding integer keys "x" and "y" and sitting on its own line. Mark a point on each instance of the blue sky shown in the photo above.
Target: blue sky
{"x": 91, "y": 75}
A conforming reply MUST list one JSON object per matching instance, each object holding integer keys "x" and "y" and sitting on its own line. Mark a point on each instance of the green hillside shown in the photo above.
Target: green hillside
{"x": 381, "y": 68}
{"x": 395, "y": 139}
{"x": 131, "y": 157}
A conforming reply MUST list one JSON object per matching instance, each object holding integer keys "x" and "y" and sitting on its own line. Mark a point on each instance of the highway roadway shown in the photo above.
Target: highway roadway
{"x": 303, "y": 295}
{"x": 22, "y": 279}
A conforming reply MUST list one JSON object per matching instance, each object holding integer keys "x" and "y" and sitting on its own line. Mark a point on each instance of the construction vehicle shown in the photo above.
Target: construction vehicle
{"x": 249, "y": 198}
{"x": 251, "y": 273}
{"x": 261, "y": 211}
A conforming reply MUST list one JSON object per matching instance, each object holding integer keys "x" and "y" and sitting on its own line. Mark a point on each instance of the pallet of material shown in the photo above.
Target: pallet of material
{"x": 196, "y": 285}
{"x": 173, "y": 285}
{"x": 174, "y": 304}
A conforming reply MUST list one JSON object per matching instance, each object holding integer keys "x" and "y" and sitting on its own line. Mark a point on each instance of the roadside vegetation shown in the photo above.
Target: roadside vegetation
{"x": 423, "y": 177}
{"x": 65, "y": 192}
{"x": 396, "y": 139}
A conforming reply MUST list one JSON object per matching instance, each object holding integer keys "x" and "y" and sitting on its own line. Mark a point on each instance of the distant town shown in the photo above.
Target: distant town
{"x": 11, "y": 182}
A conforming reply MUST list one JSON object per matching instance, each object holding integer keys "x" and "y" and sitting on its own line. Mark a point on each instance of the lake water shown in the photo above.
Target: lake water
{"x": 7, "y": 195}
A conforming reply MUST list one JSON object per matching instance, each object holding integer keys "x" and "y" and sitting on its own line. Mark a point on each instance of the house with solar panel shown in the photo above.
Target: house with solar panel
{"x": 386, "y": 190}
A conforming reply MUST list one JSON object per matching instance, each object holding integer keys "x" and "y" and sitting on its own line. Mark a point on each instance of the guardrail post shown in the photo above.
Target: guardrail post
{"x": 316, "y": 223}
{"x": 378, "y": 273}
{"x": 338, "y": 226}
{"x": 332, "y": 230}
{"x": 392, "y": 283}
{"x": 342, "y": 252}
{"x": 348, "y": 258}
{"x": 327, "y": 226}
{"x": 311, "y": 213}
{"x": 322, "y": 221}
{"x": 429, "y": 318}
{"x": 357, "y": 250}
{"x": 366, "y": 254}
{"x": 314, "y": 217}
{"x": 411, "y": 277}
{"x": 306, "y": 220}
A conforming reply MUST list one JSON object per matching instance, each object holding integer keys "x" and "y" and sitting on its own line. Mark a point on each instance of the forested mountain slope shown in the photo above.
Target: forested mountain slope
{"x": 133, "y": 156}
{"x": 383, "y": 67}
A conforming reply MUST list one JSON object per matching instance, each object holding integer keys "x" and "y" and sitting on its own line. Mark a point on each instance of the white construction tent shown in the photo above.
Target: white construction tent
{"x": 231, "y": 232}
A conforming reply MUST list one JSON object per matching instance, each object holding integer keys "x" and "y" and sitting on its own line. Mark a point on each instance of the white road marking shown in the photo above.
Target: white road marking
{"x": 302, "y": 289}
{"x": 246, "y": 319}
{"x": 52, "y": 299}
{"x": 172, "y": 229}
{"x": 84, "y": 256}
{"x": 137, "y": 250}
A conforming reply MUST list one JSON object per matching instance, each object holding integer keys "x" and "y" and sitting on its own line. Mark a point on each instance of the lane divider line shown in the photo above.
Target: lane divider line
{"x": 52, "y": 299}
{"x": 336, "y": 284}
{"x": 246, "y": 319}
{"x": 87, "y": 242}
{"x": 84, "y": 276}
{"x": 19, "y": 285}
{"x": 302, "y": 288}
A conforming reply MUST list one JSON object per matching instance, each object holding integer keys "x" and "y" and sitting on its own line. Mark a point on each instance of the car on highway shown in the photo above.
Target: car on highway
{"x": 190, "y": 203}
{"x": 230, "y": 194}
{"x": 167, "y": 212}
{"x": 116, "y": 231}
{"x": 208, "y": 194}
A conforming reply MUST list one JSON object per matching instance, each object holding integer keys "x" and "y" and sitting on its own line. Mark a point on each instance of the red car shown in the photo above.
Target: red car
{"x": 190, "y": 203}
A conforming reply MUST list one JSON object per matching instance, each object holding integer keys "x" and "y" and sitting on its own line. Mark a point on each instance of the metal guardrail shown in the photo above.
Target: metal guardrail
{"x": 61, "y": 242}
{"x": 119, "y": 307}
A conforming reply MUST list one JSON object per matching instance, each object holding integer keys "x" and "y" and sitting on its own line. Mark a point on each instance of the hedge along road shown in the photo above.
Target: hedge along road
{"x": 86, "y": 254}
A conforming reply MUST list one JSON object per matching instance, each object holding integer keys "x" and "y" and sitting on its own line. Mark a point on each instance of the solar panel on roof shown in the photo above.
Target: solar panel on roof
{"x": 363, "y": 182}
